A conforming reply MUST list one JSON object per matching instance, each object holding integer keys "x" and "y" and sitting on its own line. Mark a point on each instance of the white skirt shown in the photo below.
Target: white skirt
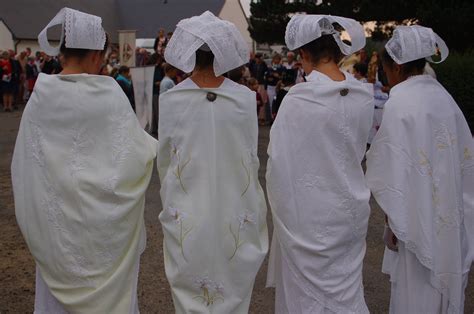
{"x": 411, "y": 290}
{"x": 46, "y": 303}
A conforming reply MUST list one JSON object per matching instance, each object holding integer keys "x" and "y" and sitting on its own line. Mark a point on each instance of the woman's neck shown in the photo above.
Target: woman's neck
{"x": 205, "y": 78}
{"x": 331, "y": 70}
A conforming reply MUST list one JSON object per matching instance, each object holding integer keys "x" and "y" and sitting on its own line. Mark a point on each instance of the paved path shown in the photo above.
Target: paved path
{"x": 17, "y": 266}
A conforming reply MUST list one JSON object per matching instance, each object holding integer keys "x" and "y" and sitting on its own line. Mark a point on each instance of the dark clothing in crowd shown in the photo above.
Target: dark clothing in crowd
{"x": 51, "y": 67}
{"x": 274, "y": 74}
{"x": 157, "y": 77}
{"x": 127, "y": 88}
{"x": 258, "y": 70}
{"x": 279, "y": 98}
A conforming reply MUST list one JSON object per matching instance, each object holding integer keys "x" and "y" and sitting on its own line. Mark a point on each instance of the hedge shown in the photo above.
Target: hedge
{"x": 456, "y": 74}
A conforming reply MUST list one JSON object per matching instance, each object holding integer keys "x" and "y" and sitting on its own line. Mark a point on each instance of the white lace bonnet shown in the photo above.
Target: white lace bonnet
{"x": 221, "y": 37}
{"x": 82, "y": 30}
{"x": 414, "y": 42}
{"x": 304, "y": 28}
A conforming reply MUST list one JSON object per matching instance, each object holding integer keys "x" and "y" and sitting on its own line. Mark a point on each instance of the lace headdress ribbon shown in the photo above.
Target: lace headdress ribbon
{"x": 81, "y": 30}
{"x": 207, "y": 32}
{"x": 415, "y": 42}
{"x": 304, "y": 28}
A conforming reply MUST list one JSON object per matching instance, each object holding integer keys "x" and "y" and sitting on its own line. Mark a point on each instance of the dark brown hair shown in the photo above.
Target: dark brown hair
{"x": 80, "y": 53}
{"x": 325, "y": 47}
{"x": 204, "y": 59}
{"x": 409, "y": 68}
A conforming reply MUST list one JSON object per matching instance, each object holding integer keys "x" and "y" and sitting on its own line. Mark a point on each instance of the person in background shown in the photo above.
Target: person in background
{"x": 360, "y": 71}
{"x": 49, "y": 65}
{"x": 258, "y": 68}
{"x": 15, "y": 78}
{"x": 168, "y": 82}
{"x": 112, "y": 61}
{"x": 253, "y": 85}
{"x": 290, "y": 62}
{"x": 158, "y": 75}
{"x": 7, "y": 86}
{"x": 103, "y": 70}
{"x": 125, "y": 81}
{"x": 272, "y": 77}
{"x": 31, "y": 75}
{"x": 420, "y": 169}
{"x": 288, "y": 80}
{"x": 22, "y": 60}
{"x": 237, "y": 75}
{"x": 160, "y": 42}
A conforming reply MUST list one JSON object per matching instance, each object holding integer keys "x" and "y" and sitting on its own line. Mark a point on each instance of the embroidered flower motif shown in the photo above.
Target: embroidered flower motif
{"x": 80, "y": 142}
{"x": 178, "y": 217}
{"x": 175, "y": 155}
{"x": 35, "y": 144}
{"x": 176, "y": 214}
{"x": 245, "y": 219}
{"x": 247, "y": 174}
{"x": 444, "y": 138}
{"x": 211, "y": 291}
{"x": 309, "y": 181}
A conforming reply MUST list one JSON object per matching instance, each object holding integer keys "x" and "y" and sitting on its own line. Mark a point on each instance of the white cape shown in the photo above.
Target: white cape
{"x": 214, "y": 210}
{"x": 318, "y": 196}
{"x": 80, "y": 170}
{"x": 420, "y": 169}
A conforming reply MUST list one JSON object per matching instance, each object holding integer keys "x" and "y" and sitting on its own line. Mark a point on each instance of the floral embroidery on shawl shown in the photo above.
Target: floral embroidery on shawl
{"x": 210, "y": 291}
{"x": 178, "y": 217}
{"x": 175, "y": 155}
{"x": 244, "y": 220}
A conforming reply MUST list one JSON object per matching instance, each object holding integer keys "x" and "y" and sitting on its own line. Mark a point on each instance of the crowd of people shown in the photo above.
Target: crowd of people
{"x": 19, "y": 72}
{"x": 81, "y": 169}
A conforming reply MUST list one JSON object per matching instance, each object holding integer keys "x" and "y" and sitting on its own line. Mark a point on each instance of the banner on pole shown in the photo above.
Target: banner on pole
{"x": 142, "y": 79}
{"x": 127, "y": 47}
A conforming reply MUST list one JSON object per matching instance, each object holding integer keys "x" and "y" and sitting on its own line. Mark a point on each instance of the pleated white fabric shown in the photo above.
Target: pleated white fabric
{"x": 80, "y": 170}
{"x": 420, "y": 169}
{"x": 318, "y": 196}
{"x": 214, "y": 210}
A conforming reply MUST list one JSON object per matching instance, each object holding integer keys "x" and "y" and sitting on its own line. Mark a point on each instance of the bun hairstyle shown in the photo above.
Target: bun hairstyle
{"x": 412, "y": 67}
{"x": 80, "y": 53}
{"x": 324, "y": 47}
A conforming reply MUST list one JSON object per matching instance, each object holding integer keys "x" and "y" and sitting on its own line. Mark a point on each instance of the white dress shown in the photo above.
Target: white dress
{"x": 80, "y": 170}
{"x": 420, "y": 169}
{"x": 214, "y": 210}
{"x": 318, "y": 196}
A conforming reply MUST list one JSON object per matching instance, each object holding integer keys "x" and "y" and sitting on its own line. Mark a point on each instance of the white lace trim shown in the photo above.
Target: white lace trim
{"x": 81, "y": 30}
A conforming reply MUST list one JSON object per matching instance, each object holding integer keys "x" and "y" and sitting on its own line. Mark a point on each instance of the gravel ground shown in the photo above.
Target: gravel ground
{"x": 17, "y": 271}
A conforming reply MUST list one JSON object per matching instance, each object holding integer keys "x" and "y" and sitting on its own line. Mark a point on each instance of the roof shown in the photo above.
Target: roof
{"x": 26, "y": 18}
{"x": 148, "y": 16}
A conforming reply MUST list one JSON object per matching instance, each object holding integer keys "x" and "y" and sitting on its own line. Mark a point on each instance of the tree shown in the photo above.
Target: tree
{"x": 453, "y": 20}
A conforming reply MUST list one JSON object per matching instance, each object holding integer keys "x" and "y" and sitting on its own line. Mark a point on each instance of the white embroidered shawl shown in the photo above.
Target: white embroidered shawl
{"x": 214, "y": 210}
{"x": 420, "y": 169}
{"x": 80, "y": 170}
{"x": 317, "y": 190}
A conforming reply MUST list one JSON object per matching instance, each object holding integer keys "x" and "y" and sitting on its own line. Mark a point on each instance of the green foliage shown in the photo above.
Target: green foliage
{"x": 453, "y": 20}
{"x": 456, "y": 74}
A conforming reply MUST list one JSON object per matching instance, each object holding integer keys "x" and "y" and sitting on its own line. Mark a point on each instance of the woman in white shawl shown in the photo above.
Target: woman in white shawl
{"x": 80, "y": 170}
{"x": 420, "y": 169}
{"x": 214, "y": 211}
{"x": 315, "y": 182}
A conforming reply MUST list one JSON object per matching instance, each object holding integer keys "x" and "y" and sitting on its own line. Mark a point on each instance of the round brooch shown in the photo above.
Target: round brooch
{"x": 344, "y": 92}
{"x": 211, "y": 96}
